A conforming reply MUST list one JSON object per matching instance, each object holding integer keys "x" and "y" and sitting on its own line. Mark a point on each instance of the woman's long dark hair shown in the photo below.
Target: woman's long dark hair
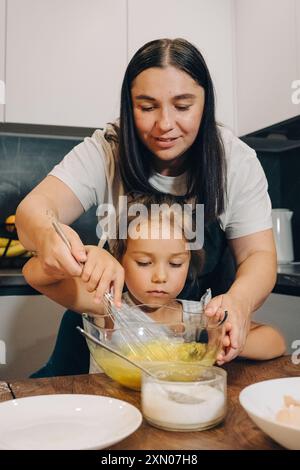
{"x": 206, "y": 165}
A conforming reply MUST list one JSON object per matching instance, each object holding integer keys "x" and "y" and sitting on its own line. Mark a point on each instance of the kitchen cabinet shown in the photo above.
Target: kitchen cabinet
{"x": 283, "y": 312}
{"x": 266, "y": 62}
{"x": 28, "y": 329}
{"x": 2, "y": 56}
{"x": 65, "y": 61}
{"x": 297, "y": 16}
{"x": 207, "y": 24}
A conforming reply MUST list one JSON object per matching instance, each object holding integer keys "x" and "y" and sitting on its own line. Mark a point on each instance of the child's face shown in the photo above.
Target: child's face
{"x": 156, "y": 269}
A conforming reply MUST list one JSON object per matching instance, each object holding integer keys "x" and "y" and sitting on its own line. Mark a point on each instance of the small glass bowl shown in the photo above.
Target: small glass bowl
{"x": 184, "y": 396}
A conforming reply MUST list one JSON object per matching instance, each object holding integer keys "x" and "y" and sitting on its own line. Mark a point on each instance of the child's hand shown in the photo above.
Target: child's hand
{"x": 102, "y": 271}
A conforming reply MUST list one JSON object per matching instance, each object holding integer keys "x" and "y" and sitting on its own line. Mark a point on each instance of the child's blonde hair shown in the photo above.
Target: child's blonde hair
{"x": 169, "y": 205}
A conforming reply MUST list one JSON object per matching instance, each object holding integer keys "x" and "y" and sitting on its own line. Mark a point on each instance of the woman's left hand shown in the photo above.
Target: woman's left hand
{"x": 102, "y": 271}
{"x": 236, "y": 327}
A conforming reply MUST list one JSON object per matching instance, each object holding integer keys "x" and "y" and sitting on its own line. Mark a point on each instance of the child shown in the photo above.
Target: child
{"x": 156, "y": 268}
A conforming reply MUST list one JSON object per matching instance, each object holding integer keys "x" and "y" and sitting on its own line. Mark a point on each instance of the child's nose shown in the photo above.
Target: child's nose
{"x": 159, "y": 275}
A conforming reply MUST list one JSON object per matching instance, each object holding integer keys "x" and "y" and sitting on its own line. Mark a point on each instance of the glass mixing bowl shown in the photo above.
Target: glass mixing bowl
{"x": 190, "y": 338}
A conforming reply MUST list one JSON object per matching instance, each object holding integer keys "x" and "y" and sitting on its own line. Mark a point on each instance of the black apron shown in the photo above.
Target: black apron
{"x": 219, "y": 268}
{"x": 71, "y": 355}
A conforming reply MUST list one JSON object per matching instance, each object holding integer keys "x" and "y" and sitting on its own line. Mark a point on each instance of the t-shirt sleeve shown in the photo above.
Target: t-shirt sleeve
{"x": 249, "y": 206}
{"x": 82, "y": 169}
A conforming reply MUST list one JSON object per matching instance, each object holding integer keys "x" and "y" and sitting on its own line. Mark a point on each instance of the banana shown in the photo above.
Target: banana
{"x": 16, "y": 250}
{"x": 4, "y": 241}
{"x": 10, "y": 223}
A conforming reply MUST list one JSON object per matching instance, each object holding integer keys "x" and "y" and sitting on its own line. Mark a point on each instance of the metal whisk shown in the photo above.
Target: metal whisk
{"x": 134, "y": 330}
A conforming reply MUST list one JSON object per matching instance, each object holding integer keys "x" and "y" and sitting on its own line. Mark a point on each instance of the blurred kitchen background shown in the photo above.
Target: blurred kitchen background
{"x": 62, "y": 62}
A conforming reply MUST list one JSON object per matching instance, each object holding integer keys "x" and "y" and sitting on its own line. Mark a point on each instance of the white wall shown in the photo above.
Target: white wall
{"x": 266, "y": 58}
{"x": 65, "y": 61}
{"x": 28, "y": 328}
{"x": 297, "y": 19}
{"x": 2, "y": 49}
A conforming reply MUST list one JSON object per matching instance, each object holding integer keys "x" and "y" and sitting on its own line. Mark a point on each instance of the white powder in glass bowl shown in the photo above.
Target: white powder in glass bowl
{"x": 184, "y": 406}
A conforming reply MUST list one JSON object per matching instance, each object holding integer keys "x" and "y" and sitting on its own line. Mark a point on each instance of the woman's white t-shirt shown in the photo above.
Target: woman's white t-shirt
{"x": 89, "y": 170}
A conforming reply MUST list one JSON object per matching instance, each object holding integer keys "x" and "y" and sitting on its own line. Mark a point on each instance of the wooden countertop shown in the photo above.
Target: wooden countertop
{"x": 237, "y": 432}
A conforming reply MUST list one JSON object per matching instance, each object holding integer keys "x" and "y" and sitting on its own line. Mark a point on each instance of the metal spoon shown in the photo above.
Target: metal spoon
{"x": 114, "y": 351}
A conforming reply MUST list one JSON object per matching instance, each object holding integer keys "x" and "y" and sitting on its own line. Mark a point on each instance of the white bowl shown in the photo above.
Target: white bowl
{"x": 263, "y": 400}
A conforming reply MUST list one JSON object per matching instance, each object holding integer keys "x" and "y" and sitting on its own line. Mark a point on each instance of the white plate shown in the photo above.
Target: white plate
{"x": 66, "y": 422}
{"x": 262, "y": 400}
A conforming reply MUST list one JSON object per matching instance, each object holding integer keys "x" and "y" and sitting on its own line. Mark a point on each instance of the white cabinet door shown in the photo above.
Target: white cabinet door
{"x": 28, "y": 330}
{"x": 65, "y": 61}
{"x": 2, "y": 57}
{"x": 297, "y": 2}
{"x": 266, "y": 62}
{"x": 206, "y": 23}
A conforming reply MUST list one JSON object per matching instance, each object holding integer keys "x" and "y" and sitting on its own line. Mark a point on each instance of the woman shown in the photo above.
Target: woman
{"x": 167, "y": 141}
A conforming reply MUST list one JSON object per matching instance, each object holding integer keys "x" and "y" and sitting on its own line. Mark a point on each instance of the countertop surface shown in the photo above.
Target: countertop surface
{"x": 237, "y": 432}
{"x": 289, "y": 270}
{"x": 12, "y": 281}
{"x": 288, "y": 279}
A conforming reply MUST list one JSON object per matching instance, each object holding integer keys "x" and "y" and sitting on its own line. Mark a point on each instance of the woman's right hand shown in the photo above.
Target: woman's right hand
{"x": 55, "y": 256}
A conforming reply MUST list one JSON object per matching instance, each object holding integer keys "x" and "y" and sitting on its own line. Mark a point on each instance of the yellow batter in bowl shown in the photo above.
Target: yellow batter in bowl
{"x": 154, "y": 351}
